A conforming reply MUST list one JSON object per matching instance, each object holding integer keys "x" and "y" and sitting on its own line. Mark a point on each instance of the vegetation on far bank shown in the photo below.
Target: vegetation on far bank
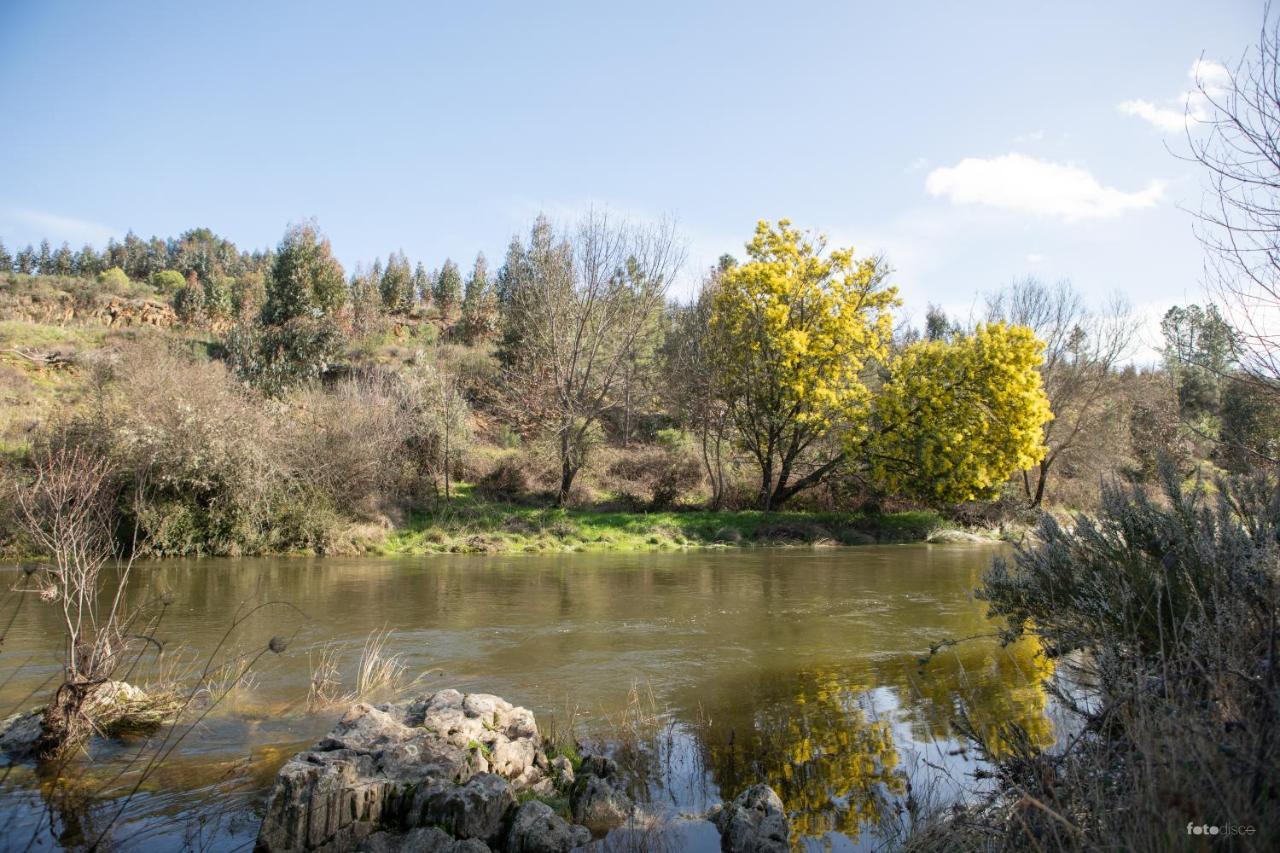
{"x": 472, "y": 526}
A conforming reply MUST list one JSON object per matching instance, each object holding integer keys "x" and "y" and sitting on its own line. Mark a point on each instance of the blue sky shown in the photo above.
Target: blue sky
{"x": 972, "y": 143}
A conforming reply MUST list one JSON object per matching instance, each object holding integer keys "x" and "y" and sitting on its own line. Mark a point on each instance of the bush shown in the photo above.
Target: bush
{"x": 277, "y": 358}
{"x": 113, "y": 279}
{"x": 508, "y": 481}
{"x": 654, "y": 477}
{"x": 185, "y": 433}
{"x": 167, "y": 281}
{"x": 346, "y": 442}
{"x": 1167, "y": 614}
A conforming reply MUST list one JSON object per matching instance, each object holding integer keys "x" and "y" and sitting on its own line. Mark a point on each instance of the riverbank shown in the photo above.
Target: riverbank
{"x": 473, "y": 526}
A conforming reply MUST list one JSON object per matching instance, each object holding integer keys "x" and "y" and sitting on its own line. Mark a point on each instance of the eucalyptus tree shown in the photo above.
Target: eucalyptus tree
{"x": 447, "y": 292}
{"x": 396, "y": 285}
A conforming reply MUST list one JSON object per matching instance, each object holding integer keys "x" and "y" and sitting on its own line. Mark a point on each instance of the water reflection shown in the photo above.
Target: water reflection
{"x": 817, "y": 741}
{"x": 824, "y": 737}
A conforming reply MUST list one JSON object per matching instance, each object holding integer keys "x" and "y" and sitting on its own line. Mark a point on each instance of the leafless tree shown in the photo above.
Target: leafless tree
{"x": 68, "y": 509}
{"x": 1083, "y": 348}
{"x": 1236, "y": 138}
{"x": 579, "y": 308}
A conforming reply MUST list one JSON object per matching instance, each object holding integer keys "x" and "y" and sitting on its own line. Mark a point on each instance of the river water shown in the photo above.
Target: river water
{"x": 797, "y": 667}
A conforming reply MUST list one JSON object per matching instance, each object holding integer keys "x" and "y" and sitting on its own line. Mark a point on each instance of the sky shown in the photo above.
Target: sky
{"x": 972, "y": 144}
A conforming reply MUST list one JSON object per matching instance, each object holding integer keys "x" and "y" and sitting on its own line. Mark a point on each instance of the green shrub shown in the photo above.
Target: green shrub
{"x": 167, "y": 281}
{"x": 113, "y": 279}
{"x": 277, "y": 358}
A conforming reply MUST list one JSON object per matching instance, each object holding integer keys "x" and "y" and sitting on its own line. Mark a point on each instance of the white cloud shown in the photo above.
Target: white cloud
{"x": 1163, "y": 118}
{"x": 1035, "y": 258}
{"x": 1033, "y": 136}
{"x": 1209, "y": 79}
{"x": 1027, "y": 185}
{"x": 58, "y": 228}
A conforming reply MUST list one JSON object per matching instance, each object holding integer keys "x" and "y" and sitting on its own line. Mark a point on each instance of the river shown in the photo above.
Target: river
{"x": 799, "y": 667}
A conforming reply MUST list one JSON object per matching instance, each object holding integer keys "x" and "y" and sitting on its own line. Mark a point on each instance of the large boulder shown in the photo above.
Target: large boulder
{"x": 755, "y": 822}
{"x": 444, "y": 760}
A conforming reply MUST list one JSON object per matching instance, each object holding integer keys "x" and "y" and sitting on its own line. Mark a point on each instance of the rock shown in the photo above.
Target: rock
{"x": 477, "y": 809}
{"x": 20, "y": 732}
{"x": 562, "y": 771}
{"x": 754, "y": 822}
{"x": 445, "y": 759}
{"x": 538, "y": 829}
{"x": 599, "y": 765}
{"x": 598, "y": 804}
{"x": 421, "y": 840}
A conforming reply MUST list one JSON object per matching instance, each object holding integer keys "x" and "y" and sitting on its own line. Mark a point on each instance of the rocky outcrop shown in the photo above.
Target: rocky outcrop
{"x": 59, "y": 307}
{"x": 429, "y": 774}
{"x": 754, "y": 822}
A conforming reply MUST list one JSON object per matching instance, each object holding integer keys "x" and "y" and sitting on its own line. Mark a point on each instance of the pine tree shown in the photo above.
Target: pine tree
{"x": 44, "y": 261}
{"x": 6, "y": 260}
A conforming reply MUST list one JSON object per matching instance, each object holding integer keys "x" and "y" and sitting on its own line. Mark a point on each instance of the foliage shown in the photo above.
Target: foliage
{"x": 1167, "y": 612}
{"x": 278, "y": 357}
{"x": 792, "y": 331}
{"x": 1250, "y": 418}
{"x": 576, "y": 308}
{"x": 305, "y": 281}
{"x": 1084, "y": 347}
{"x": 447, "y": 291}
{"x": 479, "y": 307}
{"x": 188, "y": 302}
{"x": 113, "y": 278}
{"x": 167, "y": 281}
{"x": 396, "y": 286}
{"x": 955, "y": 419}
{"x": 1199, "y": 352}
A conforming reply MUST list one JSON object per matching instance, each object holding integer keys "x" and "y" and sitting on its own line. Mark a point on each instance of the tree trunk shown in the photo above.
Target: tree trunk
{"x": 626, "y": 409}
{"x": 446, "y": 454}
{"x": 1040, "y": 482}
{"x": 766, "y": 484}
{"x": 567, "y": 470}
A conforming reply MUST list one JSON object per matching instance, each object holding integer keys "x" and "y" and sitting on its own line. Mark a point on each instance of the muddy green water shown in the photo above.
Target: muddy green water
{"x": 795, "y": 667}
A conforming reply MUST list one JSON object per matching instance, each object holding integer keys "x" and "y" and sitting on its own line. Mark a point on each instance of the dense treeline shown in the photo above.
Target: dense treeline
{"x": 569, "y": 376}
